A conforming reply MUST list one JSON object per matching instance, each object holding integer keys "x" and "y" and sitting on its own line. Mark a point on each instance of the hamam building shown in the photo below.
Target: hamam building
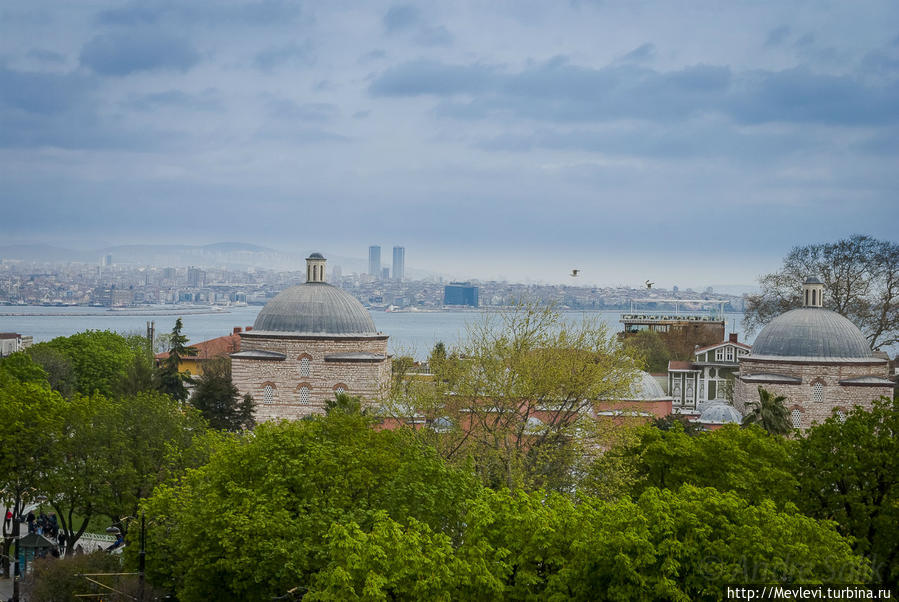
{"x": 309, "y": 343}
{"x": 816, "y": 358}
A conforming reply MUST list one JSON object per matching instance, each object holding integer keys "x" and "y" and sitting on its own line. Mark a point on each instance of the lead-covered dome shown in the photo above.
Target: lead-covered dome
{"x": 646, "y": 388}
{"x": 720, "y": 412}
{"x": 315, "y": 308}
{"x": 811, "y": 332}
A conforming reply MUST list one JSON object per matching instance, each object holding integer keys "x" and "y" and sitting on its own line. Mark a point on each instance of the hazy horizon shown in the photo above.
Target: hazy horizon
{"x": 682, "y": 143}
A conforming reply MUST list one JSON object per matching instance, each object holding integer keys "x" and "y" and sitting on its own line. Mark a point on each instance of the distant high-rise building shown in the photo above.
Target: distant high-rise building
{"x": 460, "y": 293}
{"x": 105, "y": 260}
{"x": 336, "y": 275}
{"x": 374, "y": 261}
{"x": 385, "y": 273}
{"x": 399, "y": 263}
{"x": 196, "y": 277}
{"x": 168, "y": 273}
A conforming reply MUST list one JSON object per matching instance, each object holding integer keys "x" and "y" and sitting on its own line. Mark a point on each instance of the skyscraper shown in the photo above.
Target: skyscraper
{"x": 374, "y": 261}
{"x": 399, "y": 263}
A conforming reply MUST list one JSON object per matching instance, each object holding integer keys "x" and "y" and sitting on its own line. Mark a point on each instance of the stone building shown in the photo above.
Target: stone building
{"x": 645, "y": 400}
{"x": 309, "y": 343}
{"x": 817, "y": 359}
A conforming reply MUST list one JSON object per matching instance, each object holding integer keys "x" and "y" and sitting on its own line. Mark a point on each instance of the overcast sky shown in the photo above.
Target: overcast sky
{"x": 686, "y": 142}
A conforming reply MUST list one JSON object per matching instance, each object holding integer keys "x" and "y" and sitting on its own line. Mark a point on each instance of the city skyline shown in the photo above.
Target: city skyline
{"x": 517, "y": 141}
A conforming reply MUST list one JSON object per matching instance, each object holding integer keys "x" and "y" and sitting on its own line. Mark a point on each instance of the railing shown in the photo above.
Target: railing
{"x": 669, "y": 318}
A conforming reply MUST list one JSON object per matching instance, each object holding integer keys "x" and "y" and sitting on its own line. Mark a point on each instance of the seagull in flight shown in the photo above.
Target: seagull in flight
{"x": 649, "y": 284}
{"x": 574, "y": 273}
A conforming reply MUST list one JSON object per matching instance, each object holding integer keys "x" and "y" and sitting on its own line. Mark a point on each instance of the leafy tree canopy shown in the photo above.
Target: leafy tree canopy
{"x": 99, "y": 358}
{"x": 849, "y": 472}
{"x": 746, "y": 461}
{"x": 264, "y": 503}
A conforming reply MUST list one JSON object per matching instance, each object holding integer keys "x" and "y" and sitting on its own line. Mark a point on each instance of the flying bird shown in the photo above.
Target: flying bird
{"x": 574, "y": 273}
{"x": 649, "y": 284}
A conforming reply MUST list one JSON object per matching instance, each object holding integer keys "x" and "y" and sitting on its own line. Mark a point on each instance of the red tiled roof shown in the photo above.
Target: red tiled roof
{"x": 9, "y": 335}
{"x": 212, "y": 348}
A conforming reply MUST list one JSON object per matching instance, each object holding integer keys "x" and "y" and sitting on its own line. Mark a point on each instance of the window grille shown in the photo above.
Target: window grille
{"x": 303, "y": 395}
{"x": 268, "y": 394}
{"x": 797, "y": 418}
{"x": 818, "y": 392}
{"x": 304, "y": 366}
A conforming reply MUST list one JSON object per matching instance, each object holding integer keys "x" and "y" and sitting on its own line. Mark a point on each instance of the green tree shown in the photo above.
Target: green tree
{"x": 770, "y": 413}
{"x": 747, "y": 461}
{"x": 20, "y": 366}
{"x": 58, "y": 367}
{"x": 251, "y": 524}
{"x": 860, "y": 275}
{"x": 849, "y": 473}
{"x": 511, "y": 400}
{"x": 169, "y": 378}
{"x": 219, "y": 401}
{"x": 99, "y": 358}
{"x": 649, "y": 350}
{"x": 146, "y": 431}
{"x": 30, "y": 419}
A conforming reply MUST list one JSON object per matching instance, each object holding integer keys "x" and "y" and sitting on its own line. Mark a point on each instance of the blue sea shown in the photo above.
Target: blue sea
{"x": 411, "y": 333}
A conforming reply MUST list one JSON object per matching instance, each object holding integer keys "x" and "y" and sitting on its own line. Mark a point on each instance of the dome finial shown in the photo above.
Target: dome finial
{"x": 812, "y": 292}
{"x": 315, "y": 268}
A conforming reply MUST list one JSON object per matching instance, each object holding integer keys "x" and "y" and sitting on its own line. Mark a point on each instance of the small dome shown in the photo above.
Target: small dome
{"x": 646, "y": 388}
{"x": 315, "y": 308}
{"x": 719, "y": 411}
{"x": 811, "y": 332}
{"x": 316, "y": 256}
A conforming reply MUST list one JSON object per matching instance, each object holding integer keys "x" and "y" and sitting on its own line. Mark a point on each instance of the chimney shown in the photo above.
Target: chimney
{"x": 733, "y": 337}
{"x": 247, "y": 328}
{"x": 236, "y": 330}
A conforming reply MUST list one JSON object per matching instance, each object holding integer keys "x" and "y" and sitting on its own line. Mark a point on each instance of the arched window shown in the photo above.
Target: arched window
{"x": 841, "y": 414}
{"x": 303, "y": 395}
{"x": 339, "y": 388}
{"x": 305, "y": 364}
{"x": 796, "y": 416}
{"x": 818, "y": 392}
{"x": 268, "y": 394}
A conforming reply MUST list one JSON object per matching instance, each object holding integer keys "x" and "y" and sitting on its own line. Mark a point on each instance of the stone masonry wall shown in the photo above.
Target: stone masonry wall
{"x": 801, "y": 396}
{"x": 367, "y": 380}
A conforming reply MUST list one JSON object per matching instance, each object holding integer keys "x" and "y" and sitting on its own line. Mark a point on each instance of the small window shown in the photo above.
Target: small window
{"x": 303, "y": 395}
{"x": 818, "y": 392}
{"x": 268, "y": 394}
{"x": 719, "y": 354}
{"x": 797, "y": 418}
{"x": 304, "y": 366}
{"x": 338, "y": 390}
{"x": 841, "y": 415}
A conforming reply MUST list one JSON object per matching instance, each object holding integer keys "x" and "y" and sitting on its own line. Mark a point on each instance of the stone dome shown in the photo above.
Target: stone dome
{"x": 720, "y": 412}
{"x": 811, "y": 332}
{"x": 315, "y": 308}
{"x": 646, "y": 388}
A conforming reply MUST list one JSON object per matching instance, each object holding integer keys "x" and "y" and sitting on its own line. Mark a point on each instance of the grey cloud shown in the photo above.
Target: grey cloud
{"x": 283, "y": 108}
{"x": 208, "y": 100}
{"x": 292, "y": 54}
{"x": 141, "y": 50}
{"x": 42, "y": 93}
{"x": 434, "y": 36}
{"x": 698, "y": 139}
{"x": 205, "y": 12}
{"x": 778, "y": 35}
{"x": 430, "y": 77}
{"x": 401, "y": 17}
{"x": 559, "y": 91}
{"x": 48, "y": 56}
{"x": 641, "y": 54}
{"x": 407, "y": 19}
